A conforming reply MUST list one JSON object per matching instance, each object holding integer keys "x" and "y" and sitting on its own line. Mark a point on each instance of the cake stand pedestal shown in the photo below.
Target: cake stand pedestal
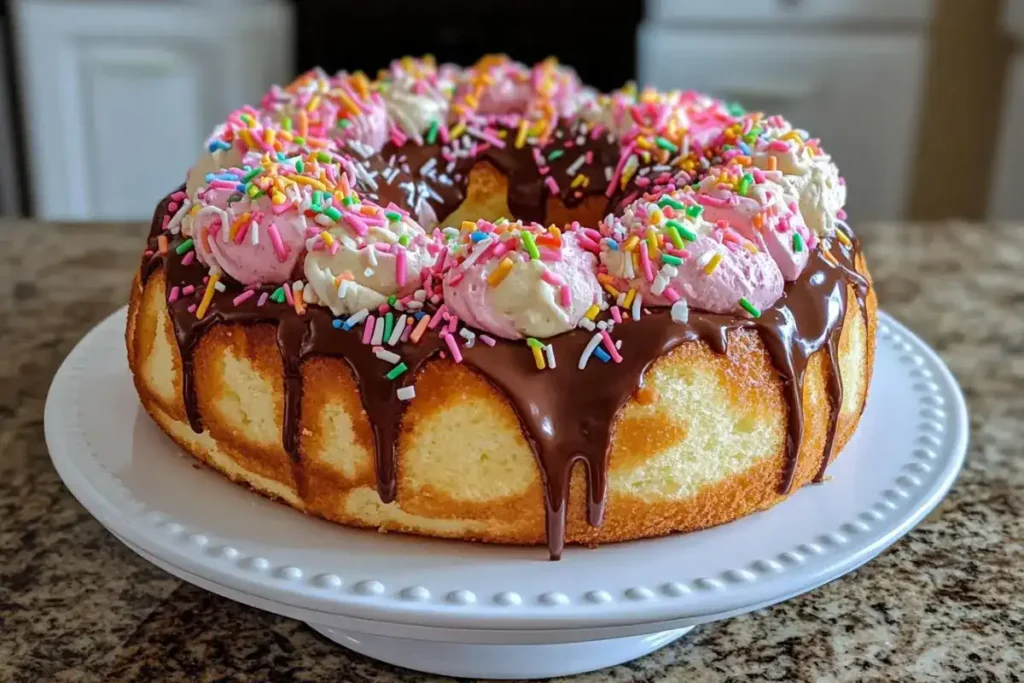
{"x": 470, "y": 610}
{"x": 503, "y": 661}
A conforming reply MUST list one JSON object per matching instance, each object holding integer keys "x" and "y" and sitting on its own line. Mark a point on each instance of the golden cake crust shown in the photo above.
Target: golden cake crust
{"x": 703, "y": 443}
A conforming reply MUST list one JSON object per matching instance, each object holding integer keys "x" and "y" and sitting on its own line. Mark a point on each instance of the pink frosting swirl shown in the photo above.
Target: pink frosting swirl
{"x": 318, "y": 106}
{"x": 740, "y": 274}
{"x": 266, "y": 247}
{"x": 694, "y": 118}
{"x": 712, "y": 266}
{"x": 761, "y": 213}
{"x": 497, "y": 85}
{"x": 255, "y": 221}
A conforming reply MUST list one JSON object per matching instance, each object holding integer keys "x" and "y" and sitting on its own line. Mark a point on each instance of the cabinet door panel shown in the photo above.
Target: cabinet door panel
{"x": 118, "y": 97}
{"x": 745, "y": 12}
{"x": 142, "y": 108}
{"x": 858, "y": 94}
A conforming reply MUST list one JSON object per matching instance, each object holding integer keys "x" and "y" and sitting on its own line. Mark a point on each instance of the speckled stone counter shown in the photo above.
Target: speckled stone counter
{"x": 943, "y": 604}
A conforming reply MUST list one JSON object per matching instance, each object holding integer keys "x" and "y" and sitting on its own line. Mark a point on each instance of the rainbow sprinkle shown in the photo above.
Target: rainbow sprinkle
{"x": 396, "y": 371}
{"x": 750, "y": 308}
{"x": 713, "y": 263}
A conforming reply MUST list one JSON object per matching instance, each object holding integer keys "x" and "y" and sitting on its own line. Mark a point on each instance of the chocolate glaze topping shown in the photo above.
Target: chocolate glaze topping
{"x": 567, "y": 415}
{"x": 443, "y": 183}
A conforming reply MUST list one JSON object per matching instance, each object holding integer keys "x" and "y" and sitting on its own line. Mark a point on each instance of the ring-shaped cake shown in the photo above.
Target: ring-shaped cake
{"x": 492, "y": 304}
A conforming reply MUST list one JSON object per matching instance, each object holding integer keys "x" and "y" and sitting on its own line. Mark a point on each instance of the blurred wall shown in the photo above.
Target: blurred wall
{"x": 961, "y": 110}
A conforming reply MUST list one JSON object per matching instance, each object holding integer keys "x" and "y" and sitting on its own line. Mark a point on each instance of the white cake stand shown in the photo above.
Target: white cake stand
{"x": 471, "y": 610}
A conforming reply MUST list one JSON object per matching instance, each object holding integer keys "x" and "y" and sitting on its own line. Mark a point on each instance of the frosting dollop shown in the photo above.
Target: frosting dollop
{"x": 417, "y": 95}
{"x": 245, "y": 130}
{"x": 497, "y": 85}
{"x": 686, "y": 118}
{"x": 665, "y": 251}
{"x": 256, "y": 221}
{"x": 217, "y": 154}
{"x": 721, "y": 207}
{"x": 494, "y": 85}
{"x": 515, "y": 280}
{"x": 247, "y": 238}
{"x": 369, "y": 256}
{"x": 756, "y": 204}
{"x": 318, "y": 107}
{"x": 807, "y": 172}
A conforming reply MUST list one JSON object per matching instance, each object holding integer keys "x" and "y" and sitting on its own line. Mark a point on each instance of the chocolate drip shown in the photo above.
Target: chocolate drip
{"x": 151, "y": 262}
{"x": 380, "y": 401}
{"x": 835, "y": 379}
{"x": 298, "y": 338}
{"x": 290, "y": 339}
{"x": 567, "y": 415}
{"x": 809, "y": 318}
{"x": 835, "y": 394}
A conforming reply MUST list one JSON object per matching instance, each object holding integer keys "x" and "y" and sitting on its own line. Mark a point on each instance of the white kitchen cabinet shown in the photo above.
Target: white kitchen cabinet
{"x": 803, "y": 12}
{"x": 119, "y": 97}
{"x": 1006, "y": 200}
{"x": 848, "y": 71}
{"x": 859, "y": 94}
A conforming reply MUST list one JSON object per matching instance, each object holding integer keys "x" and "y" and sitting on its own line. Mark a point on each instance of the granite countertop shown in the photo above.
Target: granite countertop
{"x": 945, "y": 603}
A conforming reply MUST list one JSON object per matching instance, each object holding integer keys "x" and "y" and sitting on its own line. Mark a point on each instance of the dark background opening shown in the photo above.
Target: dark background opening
{"x": 597, "y": 38}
